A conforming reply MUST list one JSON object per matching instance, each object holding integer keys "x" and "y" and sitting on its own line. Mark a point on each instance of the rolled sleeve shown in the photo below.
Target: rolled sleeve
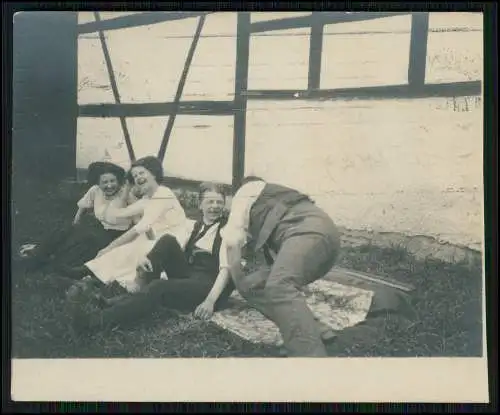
{"x": 163, "y": 207}
{"x": 234, "y": 236}
{"x": 87, "y": 200}
{"x": 235, "y": 231}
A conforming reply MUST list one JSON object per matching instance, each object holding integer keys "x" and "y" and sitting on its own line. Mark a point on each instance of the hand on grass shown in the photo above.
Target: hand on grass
{"x": 205, "y": 310}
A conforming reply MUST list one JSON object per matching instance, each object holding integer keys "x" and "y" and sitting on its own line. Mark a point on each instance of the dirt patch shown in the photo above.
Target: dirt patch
{"x": 421, "y": 246}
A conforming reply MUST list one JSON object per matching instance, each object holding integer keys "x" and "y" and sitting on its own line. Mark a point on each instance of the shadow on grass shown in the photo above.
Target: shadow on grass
{"x": 447, "y": 299}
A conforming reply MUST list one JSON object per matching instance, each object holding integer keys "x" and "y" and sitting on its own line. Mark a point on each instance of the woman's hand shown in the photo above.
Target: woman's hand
{"x": 145, "y": 265}
{"x": 205, "y": 310}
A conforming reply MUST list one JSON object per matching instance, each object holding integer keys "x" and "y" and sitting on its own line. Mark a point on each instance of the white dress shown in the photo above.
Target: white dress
{"x": 162, "y": 214}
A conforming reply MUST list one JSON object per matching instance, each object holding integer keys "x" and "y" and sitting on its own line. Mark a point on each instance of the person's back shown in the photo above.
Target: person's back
{"x": 301, "y": 242}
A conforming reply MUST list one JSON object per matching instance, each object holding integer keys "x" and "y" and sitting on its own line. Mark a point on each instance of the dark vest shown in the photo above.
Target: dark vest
{"x": 267, "y": 211}
{"x": 204, "y": 260}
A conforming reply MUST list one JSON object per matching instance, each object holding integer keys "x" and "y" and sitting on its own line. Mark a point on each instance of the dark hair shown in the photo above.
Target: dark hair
{"x": 211, "y": 187}
{"x": 150, "y": 163}
{"x": 98, "y": 168}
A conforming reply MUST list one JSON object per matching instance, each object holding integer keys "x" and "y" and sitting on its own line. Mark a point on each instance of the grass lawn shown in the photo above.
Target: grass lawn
{"x": 447, "y": 299}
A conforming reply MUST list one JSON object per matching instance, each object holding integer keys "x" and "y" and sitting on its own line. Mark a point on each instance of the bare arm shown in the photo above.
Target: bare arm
{"x": 85, "y": 203}
{"x": 220, "y": 283}
{"x": 136, "y": 208}
{"x": 78, "y": 215}
{"x": 235, "y": 231}
{"x": 206, "y": 308}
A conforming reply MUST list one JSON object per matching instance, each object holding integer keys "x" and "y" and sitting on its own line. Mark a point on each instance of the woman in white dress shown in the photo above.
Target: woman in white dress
{"x": 160, "y": 213}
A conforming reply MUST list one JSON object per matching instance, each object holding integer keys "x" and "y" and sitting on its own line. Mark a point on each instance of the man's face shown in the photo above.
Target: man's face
{"x": 212, "y": 205}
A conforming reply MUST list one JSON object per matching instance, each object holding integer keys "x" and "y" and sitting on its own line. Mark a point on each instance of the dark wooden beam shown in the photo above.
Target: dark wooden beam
{"x": 180, "y": 88}
{"x": 114, "y": 88}
{"x": 156, "y": 109}
{"x": 136, "y": 20}
{"x": 240, "y": 97}
{"x": 324, "y": 17}
{"x": 452, "y": 89}
{"x": 227, "y": 108}
{"x": 418, "y": 49}
{"x": 315, "y": 52}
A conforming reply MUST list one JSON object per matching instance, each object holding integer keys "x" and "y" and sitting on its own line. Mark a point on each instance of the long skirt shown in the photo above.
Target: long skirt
{"x": 120, "y": 264}
{"x": 73, "y": 245}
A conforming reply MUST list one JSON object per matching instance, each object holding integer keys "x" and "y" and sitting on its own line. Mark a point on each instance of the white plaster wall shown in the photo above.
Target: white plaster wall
{"x": 410, "y": 166}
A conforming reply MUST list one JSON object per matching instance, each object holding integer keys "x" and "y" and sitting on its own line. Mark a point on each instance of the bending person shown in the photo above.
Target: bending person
{"x": 301, "y": 244}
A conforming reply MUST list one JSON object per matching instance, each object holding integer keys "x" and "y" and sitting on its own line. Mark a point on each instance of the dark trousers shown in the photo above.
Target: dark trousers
{"x": 73, "y": 245}
{"x": 306, "y": 252}
{"x": 186, "y": 287}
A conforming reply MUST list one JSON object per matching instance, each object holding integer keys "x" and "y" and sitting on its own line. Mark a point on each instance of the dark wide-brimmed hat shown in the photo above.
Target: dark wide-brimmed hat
{"x": 98, "y": 168}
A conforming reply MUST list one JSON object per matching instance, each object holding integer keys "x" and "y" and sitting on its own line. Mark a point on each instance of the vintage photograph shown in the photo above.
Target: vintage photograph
{"x": 247, "y": 185}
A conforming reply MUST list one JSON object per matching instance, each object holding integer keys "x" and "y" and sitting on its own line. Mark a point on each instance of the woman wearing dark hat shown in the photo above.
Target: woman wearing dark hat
{"x": 88, "y": 234}
{"x": 161, "y": 213}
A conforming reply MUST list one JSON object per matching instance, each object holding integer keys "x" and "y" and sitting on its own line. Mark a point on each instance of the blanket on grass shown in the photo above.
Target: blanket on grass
{"x": 336, "y": 305}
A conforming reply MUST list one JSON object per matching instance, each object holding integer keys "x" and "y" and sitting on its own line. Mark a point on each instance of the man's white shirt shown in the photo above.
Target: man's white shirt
{"x": 235, "y": 233}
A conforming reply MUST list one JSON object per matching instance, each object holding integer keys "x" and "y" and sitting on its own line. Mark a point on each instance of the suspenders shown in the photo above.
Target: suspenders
{"x": 196, "y": 235}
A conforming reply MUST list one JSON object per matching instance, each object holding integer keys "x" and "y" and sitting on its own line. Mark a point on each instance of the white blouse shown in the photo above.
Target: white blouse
{"x": 236, "y": 230}
{"x": 96, "y": 199}
{"x": 161, "y": 213}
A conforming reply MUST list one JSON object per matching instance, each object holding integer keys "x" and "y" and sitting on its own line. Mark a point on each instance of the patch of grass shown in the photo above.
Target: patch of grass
{"x": 447, "y": 299}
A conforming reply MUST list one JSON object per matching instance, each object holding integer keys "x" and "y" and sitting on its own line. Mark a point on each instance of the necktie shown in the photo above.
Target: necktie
{"x": 203, "y": 232}
{"x": 190, "y": 248}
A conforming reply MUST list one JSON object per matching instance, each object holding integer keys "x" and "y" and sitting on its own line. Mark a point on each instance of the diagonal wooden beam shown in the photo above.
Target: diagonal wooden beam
{"x": 114, "y": 88}
{"x": 180, "y": 88}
